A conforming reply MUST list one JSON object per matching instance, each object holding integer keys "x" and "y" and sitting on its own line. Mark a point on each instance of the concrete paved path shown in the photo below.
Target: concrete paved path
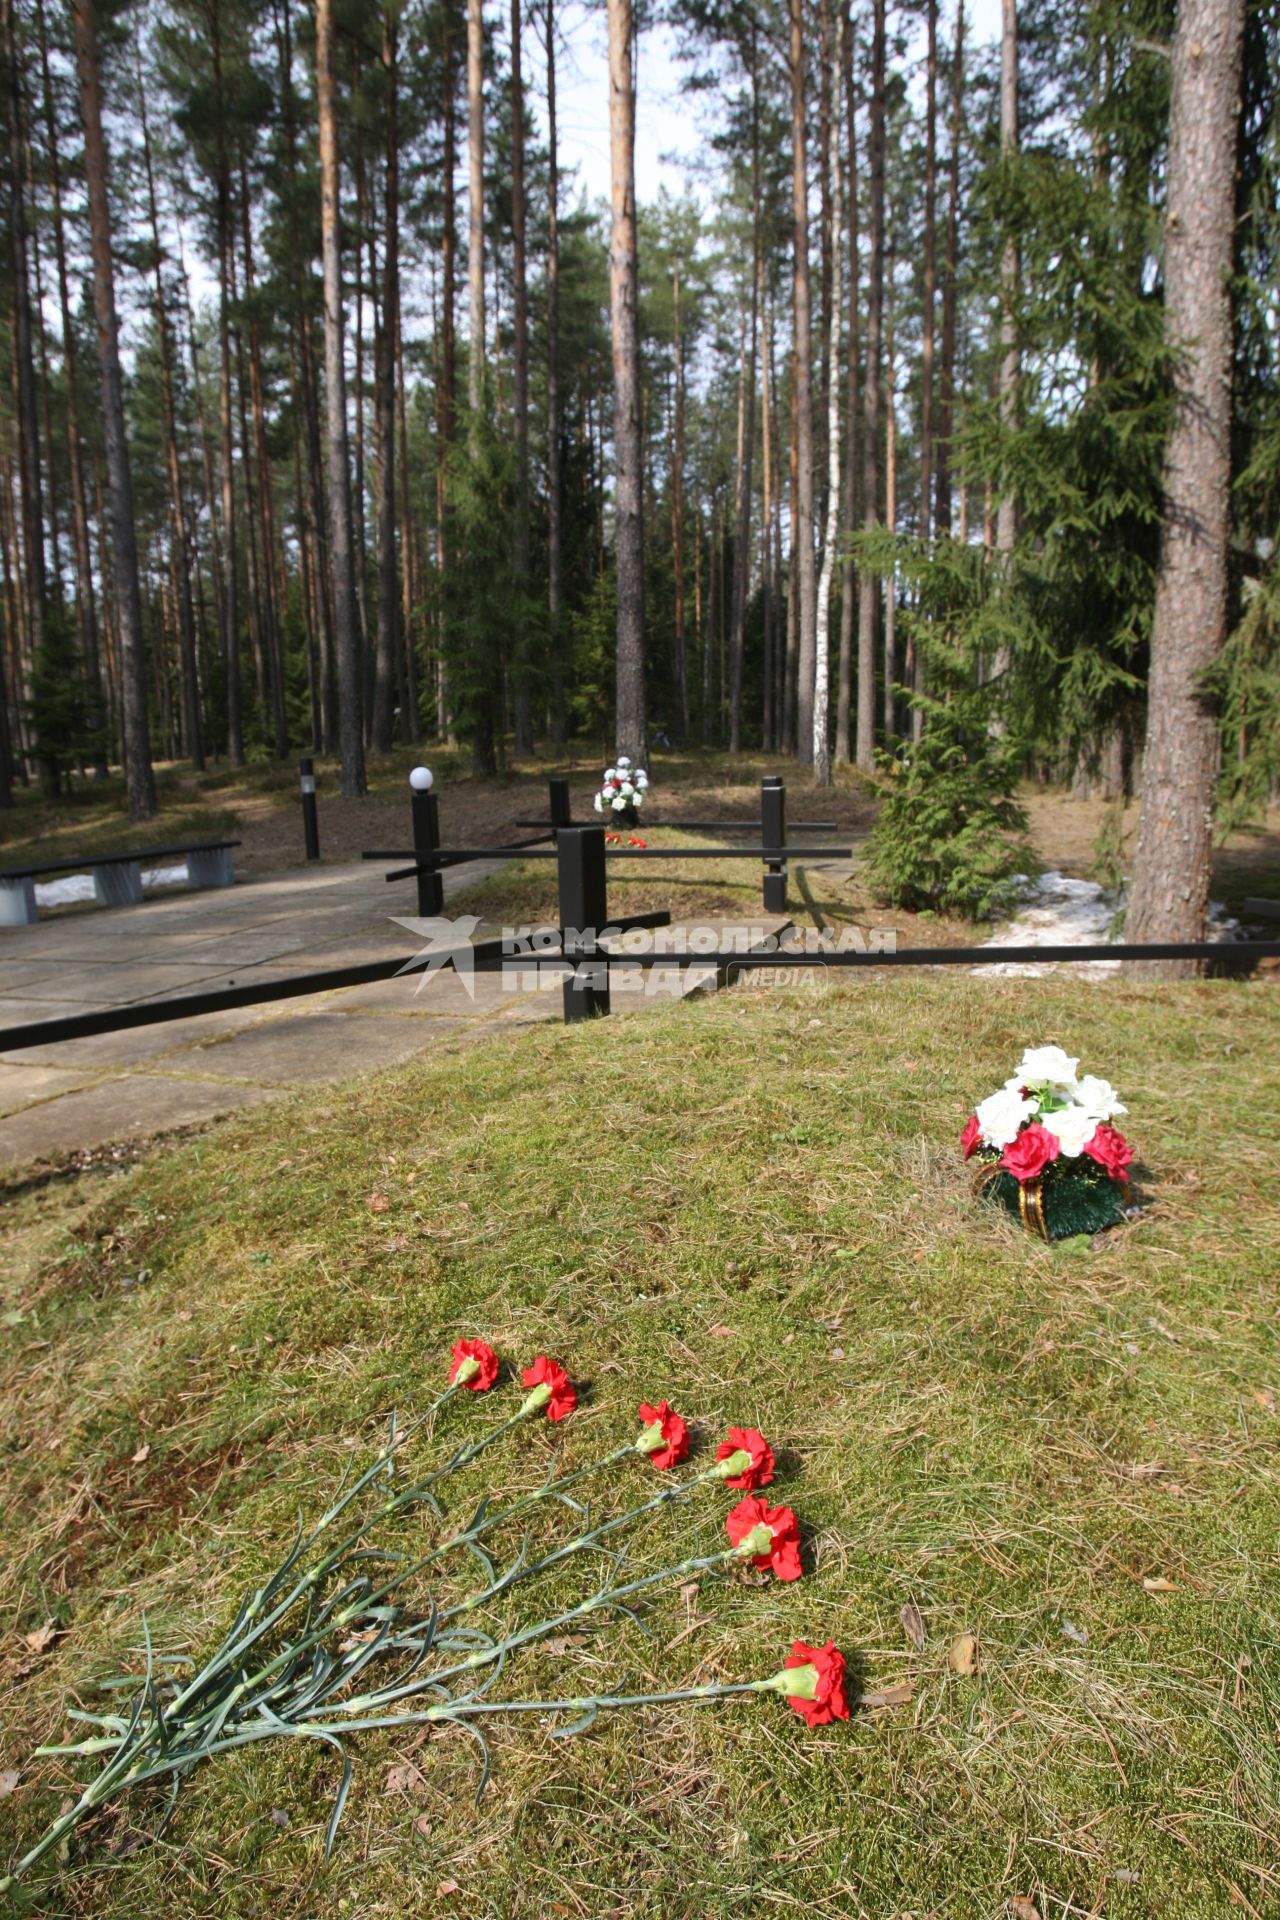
{"x": 57, "y": 1100}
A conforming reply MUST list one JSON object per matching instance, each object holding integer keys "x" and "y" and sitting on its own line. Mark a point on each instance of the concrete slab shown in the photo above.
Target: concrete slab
{"x": 98, "y": 984}
{"x": 12, "y": 976}
{"x": 409, "y": 993}
{"x": 22, "y": 1013}
{"x": 129, "y": 1045}
{"x": 309, "y": 1047}
{"x": 129, "y": 1108}
{"x": 20, "y": 1085}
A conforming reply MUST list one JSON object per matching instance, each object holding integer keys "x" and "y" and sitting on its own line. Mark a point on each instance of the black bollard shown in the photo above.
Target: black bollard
{"x": 426, "y": 840}
{"x": 560, "y": 814}
{"x": 584, "y": 912}
{"x": 773, "y": 836}
{"x": 310, "y": 821}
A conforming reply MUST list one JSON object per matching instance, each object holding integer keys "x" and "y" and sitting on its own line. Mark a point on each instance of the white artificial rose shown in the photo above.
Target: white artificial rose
{"x": 623, "y": 761}
{"x": 1001, "y": 1115}
{"x": 610, "y": 773}
{"x": 627, "y": 789}
{"x": 1048, "y": 1067}
{"x": 641, "y": 776}
{"x": 599, "y": 804}
{"x": 619, "y": 804}
{"x": 1072, "y": 1127}
{"x": 1098, "y": 1097}
{"x": 637, "y": 799}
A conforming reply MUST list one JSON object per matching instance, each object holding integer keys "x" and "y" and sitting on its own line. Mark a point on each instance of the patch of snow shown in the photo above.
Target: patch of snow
{"x": 1059, "y": 911}
{"x": 73, "y": 887}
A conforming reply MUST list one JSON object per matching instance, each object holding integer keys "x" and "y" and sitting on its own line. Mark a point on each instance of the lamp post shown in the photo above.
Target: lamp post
{"x": 426, "y": 839}
{"x": 310, "y": 821}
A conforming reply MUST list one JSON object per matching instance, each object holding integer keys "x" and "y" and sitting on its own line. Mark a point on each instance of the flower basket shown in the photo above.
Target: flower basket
{"x": 622, "y": 793}
{"x": 1046, "y": 1151}
{"x": 1059, "y": 1203}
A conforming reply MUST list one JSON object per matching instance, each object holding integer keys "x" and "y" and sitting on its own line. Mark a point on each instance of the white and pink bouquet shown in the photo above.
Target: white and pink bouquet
{"x": 622, "y": 791}
{"x": 1047, "y": 1149}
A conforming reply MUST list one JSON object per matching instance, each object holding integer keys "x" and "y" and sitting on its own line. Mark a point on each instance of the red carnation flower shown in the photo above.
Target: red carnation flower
{"x": 758, "y": 1471}
{"x": 562, "y": 1398}
{"x": 1028, "y": 1156}
{"x": 971, "y": 1136}
{"x": 670, "y": 1442}
{"x": 480, "y": 1376}
{"x": 1111, "y": 1150}
{"x": 779, "y": 1524}
{"x": 827, "y": 1701}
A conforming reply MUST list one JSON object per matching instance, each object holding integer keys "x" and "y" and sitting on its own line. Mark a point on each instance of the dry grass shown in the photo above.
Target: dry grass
{"x": 755, "y": 1206}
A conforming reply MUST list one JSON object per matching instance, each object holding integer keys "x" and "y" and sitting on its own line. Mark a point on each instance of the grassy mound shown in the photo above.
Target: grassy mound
{"x": 755, "y": 1206}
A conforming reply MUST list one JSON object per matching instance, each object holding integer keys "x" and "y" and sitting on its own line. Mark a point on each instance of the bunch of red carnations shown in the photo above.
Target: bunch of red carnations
{"x": 372, "y": 1619}
{"x": 1046, "y": 1149}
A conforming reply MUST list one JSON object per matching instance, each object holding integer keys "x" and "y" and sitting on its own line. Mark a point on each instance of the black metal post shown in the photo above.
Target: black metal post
{"x": 773, "y": 834}
{"x": 584, "y": 913}
{"x": 426, "y": 839}
{"x": 561, "y": 814}
{"x": 310, "y": 821}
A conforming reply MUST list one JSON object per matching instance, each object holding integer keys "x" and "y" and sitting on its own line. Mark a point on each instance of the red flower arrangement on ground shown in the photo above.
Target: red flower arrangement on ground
{"x": 1048, "y": 1130}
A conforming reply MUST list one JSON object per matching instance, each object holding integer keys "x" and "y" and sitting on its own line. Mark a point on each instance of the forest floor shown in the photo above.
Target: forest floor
{"x": 1062, "y": 1458}
{"x": 260, "y": 805}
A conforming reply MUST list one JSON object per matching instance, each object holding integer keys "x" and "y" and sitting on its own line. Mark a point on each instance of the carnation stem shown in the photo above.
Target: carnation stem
{"x": 675, "y": 1490}
{"x": 607, "y": 1597}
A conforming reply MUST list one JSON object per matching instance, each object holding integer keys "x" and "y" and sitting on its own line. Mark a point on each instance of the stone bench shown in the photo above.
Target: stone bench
{"x": 117, "y": 877}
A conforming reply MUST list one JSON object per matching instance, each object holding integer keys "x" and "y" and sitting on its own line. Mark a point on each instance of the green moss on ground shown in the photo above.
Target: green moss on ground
{"x": 755, "y": 1206}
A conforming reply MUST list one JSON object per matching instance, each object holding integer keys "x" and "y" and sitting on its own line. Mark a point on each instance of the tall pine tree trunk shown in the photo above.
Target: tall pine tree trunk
{"x": 410, "y": 552}
{"x": 768, "y": 580}
{"x": 307, "y": 383}
{"x": 848, "y": 580}
{"x": 628, "y": 450}
{"x": 555, "y": 589}
{"x": 522, "y": 688}
{"x": 677, "y": 507}
{"x": 890, "y": 518}
{"x": 475, "y": 204}
{"x": 30, "y": 483}
{"x": 742, "y": 520}
{"x": 801, "y": 394}
{"x": 139, "y": 779}
{"x": 388, "y": 647}
{"x": 822, "y": 650}
{"x": 1169, "y": 893}
{"x": 916, "y": 662}
{"x": 86, "y": 599}
{"x": 193, "y": 726}
{"x": 1010, "y": 273}
{"x": 947, "y": 384}
{"x": 272, "y": 605}
{"x": 229, "y": 604}
{"x": 350, "y": 726}
{"x": 868, "y": 584}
